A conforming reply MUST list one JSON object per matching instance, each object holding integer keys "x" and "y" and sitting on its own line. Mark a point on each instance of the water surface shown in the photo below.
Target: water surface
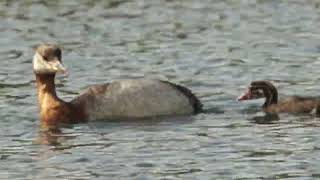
{"x": 213, "y": 47}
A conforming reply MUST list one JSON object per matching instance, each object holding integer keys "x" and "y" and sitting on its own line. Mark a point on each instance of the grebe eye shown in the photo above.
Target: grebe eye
{"x": 45, "y": 58}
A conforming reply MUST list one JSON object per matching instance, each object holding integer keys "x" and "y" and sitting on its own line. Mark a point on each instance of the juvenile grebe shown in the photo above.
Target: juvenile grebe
{"x": 294, "y": 104}
{"x": 123, "y": 99}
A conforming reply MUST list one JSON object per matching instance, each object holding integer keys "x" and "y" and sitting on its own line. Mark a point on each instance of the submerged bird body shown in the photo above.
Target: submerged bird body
{"x": 123, "y": 99}
{"x": 294, "y": 104}
{"x": 135, "y": 98}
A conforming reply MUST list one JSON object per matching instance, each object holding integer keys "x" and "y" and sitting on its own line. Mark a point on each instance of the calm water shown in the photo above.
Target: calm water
{"x": 213, "y": 47}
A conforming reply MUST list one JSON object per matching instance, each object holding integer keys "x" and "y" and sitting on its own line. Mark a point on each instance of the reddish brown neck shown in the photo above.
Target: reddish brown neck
{"x": 53, "y": 110}
{"x": 46, "y": 88}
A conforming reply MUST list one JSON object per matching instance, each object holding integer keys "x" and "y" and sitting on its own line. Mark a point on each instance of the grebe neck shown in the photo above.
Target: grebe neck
{"x": 46, "y": 87}
{"x": 53, "y": 110}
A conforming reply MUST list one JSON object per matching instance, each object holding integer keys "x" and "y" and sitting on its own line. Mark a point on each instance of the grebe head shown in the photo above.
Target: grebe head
{"x": 260, "y": 89}
{"x": 47, "y": 60}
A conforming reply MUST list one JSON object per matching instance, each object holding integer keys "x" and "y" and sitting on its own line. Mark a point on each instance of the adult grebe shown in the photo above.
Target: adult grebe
{"x": 294, "y": 104}
{"x": 123, "y": 99}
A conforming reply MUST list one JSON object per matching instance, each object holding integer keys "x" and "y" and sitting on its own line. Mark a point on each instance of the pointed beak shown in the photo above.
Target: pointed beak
{"x": 57, "y": 66}
{"x": 245, "y": 96}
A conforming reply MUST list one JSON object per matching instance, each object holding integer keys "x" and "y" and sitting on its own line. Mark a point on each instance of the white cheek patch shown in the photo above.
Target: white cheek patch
{"x": 40, "y": 65}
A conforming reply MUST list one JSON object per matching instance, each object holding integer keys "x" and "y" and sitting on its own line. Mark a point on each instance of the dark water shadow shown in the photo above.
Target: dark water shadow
{"x": 59, "y": 135}
{"x": 251, "y": 109}
{"x": 53, "y": 136}
{"x": 265, "y": 119}
{"x": 272, "y": 118}
{"x": 213, "y": 110}
{"x": 58, "y": 140}
{"x": 149, "y": 124}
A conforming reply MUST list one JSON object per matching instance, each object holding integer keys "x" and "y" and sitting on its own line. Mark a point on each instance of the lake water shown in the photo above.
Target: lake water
{"x": 215, "y": 48}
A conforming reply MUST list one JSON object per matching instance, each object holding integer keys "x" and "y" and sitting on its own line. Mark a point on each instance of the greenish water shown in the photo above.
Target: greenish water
{"x": 213, "y": 47}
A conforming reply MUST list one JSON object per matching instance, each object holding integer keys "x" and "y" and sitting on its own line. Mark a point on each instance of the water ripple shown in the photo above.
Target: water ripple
{"x": 214, "y": 48}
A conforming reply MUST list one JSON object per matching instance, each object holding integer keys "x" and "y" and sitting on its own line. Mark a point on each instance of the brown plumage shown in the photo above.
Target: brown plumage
{"x": 294, "y": 104}
{"x": 125, "y": 99}
{"x": 53, "y": 109}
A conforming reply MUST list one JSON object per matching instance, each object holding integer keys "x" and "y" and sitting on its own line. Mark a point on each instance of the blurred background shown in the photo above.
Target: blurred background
{"x": 216, "y": 48}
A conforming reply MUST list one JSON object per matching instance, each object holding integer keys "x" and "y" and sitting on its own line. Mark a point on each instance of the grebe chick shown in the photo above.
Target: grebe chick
{"x": 122, "y": 99}
{"x": 294, "y": 104}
